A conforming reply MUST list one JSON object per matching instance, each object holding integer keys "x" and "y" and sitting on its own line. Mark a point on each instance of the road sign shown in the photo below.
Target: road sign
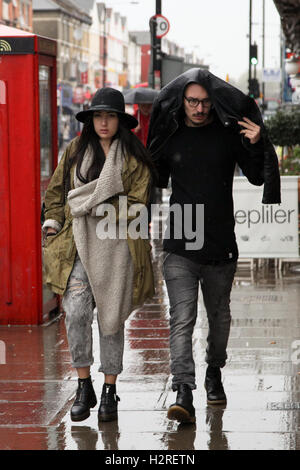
{"x": 162, "y": 25}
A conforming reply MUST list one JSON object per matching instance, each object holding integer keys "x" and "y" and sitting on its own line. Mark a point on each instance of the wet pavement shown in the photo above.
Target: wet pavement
{"x": 261, "y": 378}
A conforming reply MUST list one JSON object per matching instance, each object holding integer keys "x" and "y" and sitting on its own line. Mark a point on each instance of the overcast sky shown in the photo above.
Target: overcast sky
{"x": 216, "y": 29}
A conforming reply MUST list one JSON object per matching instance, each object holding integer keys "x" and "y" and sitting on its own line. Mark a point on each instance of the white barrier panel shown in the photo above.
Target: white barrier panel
{"x": 266, "y": 230}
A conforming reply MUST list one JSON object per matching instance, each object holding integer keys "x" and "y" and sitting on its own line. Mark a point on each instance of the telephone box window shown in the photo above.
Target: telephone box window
{"x": 45, "y": 123}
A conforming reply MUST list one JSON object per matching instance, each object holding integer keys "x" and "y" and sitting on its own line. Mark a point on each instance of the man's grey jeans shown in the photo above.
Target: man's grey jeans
{"x": 182, "y": 278}
{"x": 78, "y": 303}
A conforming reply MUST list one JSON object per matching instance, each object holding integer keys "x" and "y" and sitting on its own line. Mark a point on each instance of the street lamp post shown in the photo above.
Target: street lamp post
{"x": 158, "y": 41}
{"x": 250, "y": 41}
{"x": 155, "y": 66}
{"x": 104, "y": 49}
{"x": 263, "y": 54}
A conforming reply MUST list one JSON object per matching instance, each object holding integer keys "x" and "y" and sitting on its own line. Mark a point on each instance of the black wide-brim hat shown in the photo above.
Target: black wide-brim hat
{"x": 109, "y": 99}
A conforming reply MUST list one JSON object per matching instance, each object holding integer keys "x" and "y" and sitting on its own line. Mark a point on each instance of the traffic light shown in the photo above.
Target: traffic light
{"x": 253, "y": 54}
{"x": 254, "y": 88}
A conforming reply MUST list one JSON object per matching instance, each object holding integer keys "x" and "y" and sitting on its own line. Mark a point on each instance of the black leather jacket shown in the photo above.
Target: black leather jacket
{"x": 230, "y": 105}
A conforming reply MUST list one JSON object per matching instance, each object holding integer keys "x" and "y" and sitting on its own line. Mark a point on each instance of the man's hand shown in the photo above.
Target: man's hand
{"x": 251, "y": 131}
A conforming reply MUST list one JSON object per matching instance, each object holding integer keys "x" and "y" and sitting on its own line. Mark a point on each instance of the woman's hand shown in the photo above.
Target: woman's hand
{"x": 50, "y": 232}
{"x": 251, "y": 131}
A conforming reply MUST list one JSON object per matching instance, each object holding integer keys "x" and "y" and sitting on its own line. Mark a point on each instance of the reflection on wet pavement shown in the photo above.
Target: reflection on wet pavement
{"x": 261, "y": 378}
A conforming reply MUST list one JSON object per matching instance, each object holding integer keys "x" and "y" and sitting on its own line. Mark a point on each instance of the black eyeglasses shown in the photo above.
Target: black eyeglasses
{"x": 194, "y": 102}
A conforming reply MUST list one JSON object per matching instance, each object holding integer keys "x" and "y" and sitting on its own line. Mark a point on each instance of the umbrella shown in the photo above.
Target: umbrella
{"x": 140, "y": 95}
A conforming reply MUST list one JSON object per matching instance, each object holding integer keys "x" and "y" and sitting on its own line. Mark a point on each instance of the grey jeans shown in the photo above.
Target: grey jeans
{"x": 182, "y": 278}
{"x": 78, "y": 304}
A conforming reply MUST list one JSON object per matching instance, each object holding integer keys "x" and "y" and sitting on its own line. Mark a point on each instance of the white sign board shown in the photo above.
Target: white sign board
{"x": 271, "y": 75}
{"x": 296, "y": 96}
{"x": 266, "y": 230}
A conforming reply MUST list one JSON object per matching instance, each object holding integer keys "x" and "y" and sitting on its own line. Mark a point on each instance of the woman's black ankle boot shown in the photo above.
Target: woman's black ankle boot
{"x": 85, "y": 399}
{"x": 108, "y": 410}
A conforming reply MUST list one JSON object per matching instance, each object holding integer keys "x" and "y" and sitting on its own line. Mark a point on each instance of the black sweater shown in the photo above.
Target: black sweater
{"x": 201, "y": 163}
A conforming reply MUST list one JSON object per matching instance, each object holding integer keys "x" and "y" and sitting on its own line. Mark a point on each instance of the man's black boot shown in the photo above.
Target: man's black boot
{"x": 183, "y": 410}
{"x": 214, "y": 387}
{"x": 108, "y": 410}
{"x": 85, "y": 399}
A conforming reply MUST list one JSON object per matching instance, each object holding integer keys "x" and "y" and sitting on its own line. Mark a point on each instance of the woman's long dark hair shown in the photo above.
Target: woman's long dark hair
{"x": 130, "y": 145}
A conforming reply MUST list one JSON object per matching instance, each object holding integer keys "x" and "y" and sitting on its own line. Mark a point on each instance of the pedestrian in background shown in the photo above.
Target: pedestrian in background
{"x": 142, "y": 99}
{"x": 200, "y": 128}
{"x": 113, "y": 274}
{"x": 142, "y": 115}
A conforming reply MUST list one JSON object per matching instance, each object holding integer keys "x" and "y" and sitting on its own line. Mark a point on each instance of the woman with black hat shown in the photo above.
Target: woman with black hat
{"x": 83, "y": 263}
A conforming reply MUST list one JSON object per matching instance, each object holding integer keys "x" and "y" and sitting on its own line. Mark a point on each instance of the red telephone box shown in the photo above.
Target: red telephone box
{"x": 28, "y": 156}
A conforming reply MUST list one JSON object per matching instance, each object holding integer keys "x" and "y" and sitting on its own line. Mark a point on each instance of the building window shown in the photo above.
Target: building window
{"x": 66, "y": 71}
{"x": 5, "y": 9}
{"x": 24, "y": 14}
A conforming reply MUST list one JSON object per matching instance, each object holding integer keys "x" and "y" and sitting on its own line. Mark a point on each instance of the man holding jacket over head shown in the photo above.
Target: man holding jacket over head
{"x": 200, "y": 128}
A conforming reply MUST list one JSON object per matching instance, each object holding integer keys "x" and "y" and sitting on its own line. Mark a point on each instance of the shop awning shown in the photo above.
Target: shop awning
{"x": 289, "y": 11}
